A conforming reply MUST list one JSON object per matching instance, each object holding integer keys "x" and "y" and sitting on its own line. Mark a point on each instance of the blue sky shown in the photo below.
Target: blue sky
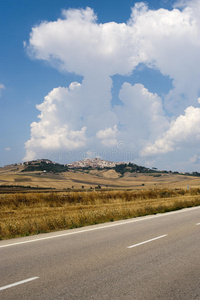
{"x": 121, "y": 81}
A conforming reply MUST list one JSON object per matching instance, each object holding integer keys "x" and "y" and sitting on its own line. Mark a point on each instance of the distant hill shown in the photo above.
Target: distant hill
{"x": 119, "y": 167}
{"x": 46, "y": 165}
{"x": 131, "y": 168}
{"x": 89, "y": 174}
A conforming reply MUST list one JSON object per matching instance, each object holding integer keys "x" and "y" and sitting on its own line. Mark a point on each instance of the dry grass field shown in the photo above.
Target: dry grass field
{"x": 33, "y": 213}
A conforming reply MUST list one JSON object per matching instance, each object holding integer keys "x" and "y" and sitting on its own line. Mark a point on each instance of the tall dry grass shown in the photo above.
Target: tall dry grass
{"x": 33, "y": 213}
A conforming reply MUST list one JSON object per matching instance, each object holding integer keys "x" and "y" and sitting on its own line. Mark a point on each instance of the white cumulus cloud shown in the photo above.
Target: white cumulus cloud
{"x": 108, "y": 136}
{"x": 77, "y": 43}
{"x": 141, "y": 116}
{"x": 170, "y": 42}
{"x": 183, "y": 132}
{"x": 82, "y": 115}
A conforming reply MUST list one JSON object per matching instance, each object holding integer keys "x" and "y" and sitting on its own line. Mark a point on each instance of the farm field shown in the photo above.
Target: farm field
{"x": 23, "y": 214}
{"x": 81, "y": 179}
{"x": 37, "y": 202}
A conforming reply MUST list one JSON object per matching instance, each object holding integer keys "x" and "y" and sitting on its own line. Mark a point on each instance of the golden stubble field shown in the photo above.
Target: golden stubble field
{"x": 109, "y": 179}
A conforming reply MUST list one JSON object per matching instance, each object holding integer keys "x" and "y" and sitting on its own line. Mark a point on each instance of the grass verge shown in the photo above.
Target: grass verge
{"x": 34, "y": 213}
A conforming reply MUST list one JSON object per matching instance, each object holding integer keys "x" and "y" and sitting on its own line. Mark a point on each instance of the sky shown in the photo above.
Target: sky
{"x": 119, "y": 80}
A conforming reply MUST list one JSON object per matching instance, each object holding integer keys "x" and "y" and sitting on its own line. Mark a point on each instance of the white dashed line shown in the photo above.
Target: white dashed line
{"x": 148, "y": 241}
{"x": 17, "y": 283}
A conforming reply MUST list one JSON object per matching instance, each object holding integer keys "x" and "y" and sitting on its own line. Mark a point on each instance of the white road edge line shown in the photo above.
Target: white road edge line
{"x": 77, "y": 232}
{"x": 148, "y": 241}
{"x": 139, "y": 219}
{"x": 17, "y": 283}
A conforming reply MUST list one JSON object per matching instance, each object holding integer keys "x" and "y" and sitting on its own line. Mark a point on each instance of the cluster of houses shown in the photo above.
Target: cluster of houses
{"x": 93, "y": 163}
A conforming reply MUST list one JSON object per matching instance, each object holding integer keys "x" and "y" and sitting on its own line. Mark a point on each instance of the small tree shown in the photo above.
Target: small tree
{"x": 98, "y": 187}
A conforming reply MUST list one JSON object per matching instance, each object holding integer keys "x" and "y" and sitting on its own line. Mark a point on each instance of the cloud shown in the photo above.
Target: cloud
{"x": 184, "y": 132}
{"x": 77, "y": 43}
{"x": 170, "y": 43}
{"x": 141, "y": 116}
{"x": 108, "y": 136}
{"x": 52, "y": 132}
{"x": 82, "y": 115}
{"x": 7, "y": 149}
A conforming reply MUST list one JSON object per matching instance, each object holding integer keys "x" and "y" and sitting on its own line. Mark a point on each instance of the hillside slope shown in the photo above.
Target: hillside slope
{"x": 119, "y": 177}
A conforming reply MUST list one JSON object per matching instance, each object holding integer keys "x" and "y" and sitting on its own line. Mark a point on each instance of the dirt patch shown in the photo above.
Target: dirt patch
{"x": 22, "y": 179}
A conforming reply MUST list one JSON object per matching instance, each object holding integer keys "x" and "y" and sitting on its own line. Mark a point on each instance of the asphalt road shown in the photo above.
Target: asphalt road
{"x": 153, "y": 257}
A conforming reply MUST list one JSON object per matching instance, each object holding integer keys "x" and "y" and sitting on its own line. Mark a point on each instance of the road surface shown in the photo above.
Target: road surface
{"x": 152, "y": 257}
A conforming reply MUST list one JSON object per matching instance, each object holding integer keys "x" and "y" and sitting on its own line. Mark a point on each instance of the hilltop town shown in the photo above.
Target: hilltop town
{"x": 46, "y": 165}
{"x": 93, "y": 163}
{"x": 85, "y": 163}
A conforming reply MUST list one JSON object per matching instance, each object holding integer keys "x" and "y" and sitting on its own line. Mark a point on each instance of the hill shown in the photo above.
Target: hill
{"x": 44, "y": 165}
{"x": 90, "y": 174}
